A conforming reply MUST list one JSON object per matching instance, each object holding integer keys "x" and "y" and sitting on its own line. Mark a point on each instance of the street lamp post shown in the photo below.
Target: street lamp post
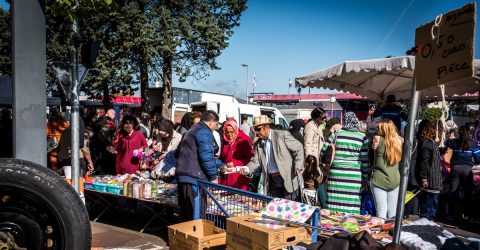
{"x": 332, "y": 101}
{"x": 246, "y": 82}
{"x": 235, "y": 86}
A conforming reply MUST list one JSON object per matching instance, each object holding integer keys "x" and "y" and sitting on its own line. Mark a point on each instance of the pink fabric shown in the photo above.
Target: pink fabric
{"x": 234, "y": 125}
{"x": 240, "y": 153}
{"x": 125, "y": 145}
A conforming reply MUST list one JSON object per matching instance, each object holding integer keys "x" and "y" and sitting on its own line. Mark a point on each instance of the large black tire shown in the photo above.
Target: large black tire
{"x": 34, "y": 198}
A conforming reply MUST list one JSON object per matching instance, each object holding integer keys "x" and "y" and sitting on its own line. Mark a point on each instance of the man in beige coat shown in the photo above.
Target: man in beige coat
{"x": 280, "y": 157}
{"x": 313, "y": 133}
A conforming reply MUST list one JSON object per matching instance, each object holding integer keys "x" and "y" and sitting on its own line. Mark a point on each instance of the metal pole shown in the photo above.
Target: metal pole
{"x": 331, "y": 109}
{"x": 246, "y": 85}
{"x": 29, "y": 78}
{"x": 75, "y": 107}
{"x": 235, "y": 86}
{"x": 407, "y": 158}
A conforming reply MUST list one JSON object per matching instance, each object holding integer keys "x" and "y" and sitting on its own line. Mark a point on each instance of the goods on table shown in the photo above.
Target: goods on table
{"x": 236, "y": 205}
{"x": 134, "y": 186}
{"x": 354, "y": 223}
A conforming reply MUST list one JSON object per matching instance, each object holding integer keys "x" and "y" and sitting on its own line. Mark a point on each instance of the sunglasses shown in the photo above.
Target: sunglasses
{"x": 257, "y": 129}
{"x": 323, "y": 118}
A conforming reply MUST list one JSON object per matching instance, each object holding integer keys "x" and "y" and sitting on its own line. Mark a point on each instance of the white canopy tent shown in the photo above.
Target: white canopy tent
{"x": 377, "y": 78}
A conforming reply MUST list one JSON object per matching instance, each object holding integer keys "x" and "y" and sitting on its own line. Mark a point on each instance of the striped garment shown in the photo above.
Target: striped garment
{"x": 349, "y": 167}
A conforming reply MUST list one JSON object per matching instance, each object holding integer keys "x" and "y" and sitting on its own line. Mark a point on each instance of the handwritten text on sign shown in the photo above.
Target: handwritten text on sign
{"x": 445, "y": 48}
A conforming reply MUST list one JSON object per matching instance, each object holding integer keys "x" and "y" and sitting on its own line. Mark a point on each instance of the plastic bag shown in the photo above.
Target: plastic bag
{"x": 367, "y": 206}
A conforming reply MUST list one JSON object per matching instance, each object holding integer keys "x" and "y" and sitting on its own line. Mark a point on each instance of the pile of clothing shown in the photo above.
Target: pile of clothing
{"x": 425, "y": 234}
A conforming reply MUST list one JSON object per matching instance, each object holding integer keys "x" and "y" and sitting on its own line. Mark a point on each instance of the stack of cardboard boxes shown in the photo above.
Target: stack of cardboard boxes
{"x": 243, "y": 233}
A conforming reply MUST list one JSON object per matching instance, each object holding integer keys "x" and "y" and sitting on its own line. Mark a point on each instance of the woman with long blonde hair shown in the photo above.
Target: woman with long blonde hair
{"x": 385, "y": 179}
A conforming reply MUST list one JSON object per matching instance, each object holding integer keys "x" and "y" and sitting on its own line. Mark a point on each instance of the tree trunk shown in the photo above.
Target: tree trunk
{"x": 167, "y": 86}
{"x": 106, "y": 96}
{"x": 144, "y": 62}
{"x": 144, "y": 80}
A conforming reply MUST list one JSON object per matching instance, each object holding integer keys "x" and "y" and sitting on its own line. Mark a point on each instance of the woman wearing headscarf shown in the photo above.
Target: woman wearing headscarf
{"x": 349, "y": 170}
{"x": 185, "y": 123}
{"x": 236, "y": 151}
{"x": 296, "y": 129}
{"x": 129, "y": 143}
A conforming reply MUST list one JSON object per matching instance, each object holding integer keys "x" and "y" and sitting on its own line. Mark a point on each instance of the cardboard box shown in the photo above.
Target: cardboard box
{"x": 197, "y": 234}
{"x": 242, "y": 233}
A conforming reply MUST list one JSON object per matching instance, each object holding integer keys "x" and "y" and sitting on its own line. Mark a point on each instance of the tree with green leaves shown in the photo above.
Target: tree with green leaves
{"x": 113, "y": 73}
{"x": 182, "y": 37}
{"x": 143, "y": 40}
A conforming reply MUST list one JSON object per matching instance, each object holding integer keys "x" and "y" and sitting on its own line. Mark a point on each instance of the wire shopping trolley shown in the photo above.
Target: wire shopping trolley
{"x": 221, "y": 202}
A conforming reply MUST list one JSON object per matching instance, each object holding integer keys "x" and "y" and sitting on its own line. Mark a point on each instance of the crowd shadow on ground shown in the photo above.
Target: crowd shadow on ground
{"x": 134, "y": 216}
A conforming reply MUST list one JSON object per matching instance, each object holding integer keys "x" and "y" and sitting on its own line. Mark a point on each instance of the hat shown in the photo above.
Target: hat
{"x": 261, "y": 120}
{"x": 230, "y": 115}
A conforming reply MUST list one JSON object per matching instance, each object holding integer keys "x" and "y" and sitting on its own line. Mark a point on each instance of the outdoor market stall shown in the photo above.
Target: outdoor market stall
{"x": 158, "y": 197}
{"x": 451, "y": 70}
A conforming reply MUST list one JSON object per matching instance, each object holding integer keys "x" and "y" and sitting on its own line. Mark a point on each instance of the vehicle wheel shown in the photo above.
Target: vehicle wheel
{"x": 39, "y": 209}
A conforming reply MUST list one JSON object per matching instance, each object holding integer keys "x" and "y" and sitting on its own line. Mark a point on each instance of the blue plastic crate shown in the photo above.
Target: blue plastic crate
{"x": 114, "y": 189}
{"x": 102, "y": 187}
{"x": 88, "y": 185}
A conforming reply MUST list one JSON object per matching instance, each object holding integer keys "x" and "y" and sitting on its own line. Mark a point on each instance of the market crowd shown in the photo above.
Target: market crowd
{"x": 332, "y": 163}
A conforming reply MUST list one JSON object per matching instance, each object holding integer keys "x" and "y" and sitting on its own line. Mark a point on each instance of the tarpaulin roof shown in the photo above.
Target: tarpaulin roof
{"x": 377, "y": 78}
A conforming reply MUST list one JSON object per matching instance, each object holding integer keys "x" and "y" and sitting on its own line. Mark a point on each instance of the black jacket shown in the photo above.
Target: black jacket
{"x": 428, "y": 165}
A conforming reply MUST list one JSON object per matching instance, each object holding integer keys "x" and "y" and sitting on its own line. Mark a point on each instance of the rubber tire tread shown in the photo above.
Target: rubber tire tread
{"x": 49, "y": 186}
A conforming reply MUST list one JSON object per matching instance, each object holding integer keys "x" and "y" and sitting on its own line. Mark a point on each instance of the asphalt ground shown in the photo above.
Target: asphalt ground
{"x": 111, "y": 237}
{"x": 119, "y": 227}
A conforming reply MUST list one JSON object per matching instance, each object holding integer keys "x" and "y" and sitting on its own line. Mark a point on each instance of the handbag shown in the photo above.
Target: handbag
{"x": 329, "y": 155}
{"x": 52, "y": 144}
{"x": 309, "y": 196}
{"x": 327, "y": 159}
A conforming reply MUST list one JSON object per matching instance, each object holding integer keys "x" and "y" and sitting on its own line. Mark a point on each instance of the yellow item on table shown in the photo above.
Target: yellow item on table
{"x": 409, "y": 195}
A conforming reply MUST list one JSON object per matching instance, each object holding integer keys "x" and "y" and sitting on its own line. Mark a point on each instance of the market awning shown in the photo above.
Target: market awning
{"x": 129, "y": 101}
{"x": 377, "y": 78}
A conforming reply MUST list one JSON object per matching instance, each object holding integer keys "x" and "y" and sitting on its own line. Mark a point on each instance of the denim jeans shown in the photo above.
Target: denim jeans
{"x": 385, "y": 201}
{"x": 322, "y": 195}
{"x": 428, "y": 205}
{"x": 461, "y": 176}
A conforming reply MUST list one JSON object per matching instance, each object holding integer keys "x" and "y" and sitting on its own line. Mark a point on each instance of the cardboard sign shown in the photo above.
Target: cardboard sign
{"x": 445, "y": 48}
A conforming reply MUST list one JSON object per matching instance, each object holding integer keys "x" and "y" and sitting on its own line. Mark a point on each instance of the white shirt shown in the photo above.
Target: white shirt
{"x": 269, "y": 155}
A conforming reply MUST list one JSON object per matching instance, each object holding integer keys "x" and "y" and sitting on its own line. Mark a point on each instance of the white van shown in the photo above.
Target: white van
{"x": 292, "y": 114}
{"x": 178, "y": 110}
{"x": 237, "y": 110}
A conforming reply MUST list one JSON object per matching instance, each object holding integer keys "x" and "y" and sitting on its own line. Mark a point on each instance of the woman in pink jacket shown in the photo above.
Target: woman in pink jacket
{"x": 129, "y": 140}
{"x": 236, "y": 151}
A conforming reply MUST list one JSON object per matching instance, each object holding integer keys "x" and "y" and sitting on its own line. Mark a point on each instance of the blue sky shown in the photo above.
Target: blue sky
{"x": 284, "y": 39}
{"x": 281, "y": 39}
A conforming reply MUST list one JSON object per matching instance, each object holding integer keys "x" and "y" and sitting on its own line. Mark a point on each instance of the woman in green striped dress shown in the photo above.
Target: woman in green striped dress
{"x": 349, "y": 169}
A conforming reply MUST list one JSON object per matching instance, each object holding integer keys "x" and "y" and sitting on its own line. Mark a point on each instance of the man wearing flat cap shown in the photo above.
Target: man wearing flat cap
{"x": 280, "y": 158}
